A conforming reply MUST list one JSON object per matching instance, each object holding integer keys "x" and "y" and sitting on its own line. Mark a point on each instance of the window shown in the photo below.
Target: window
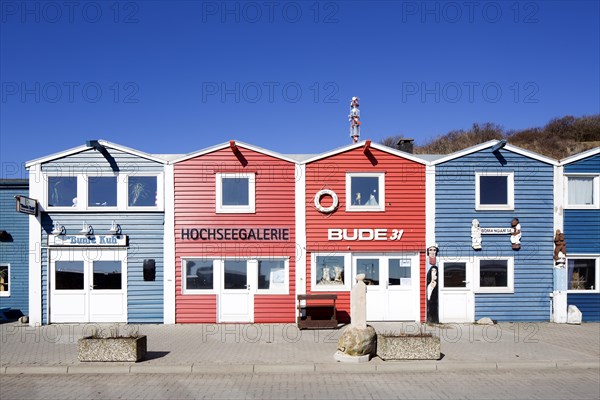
{"x": 399, "y": 272}
{"x": 455, "y": 274}
{"x": 142, "y": 191}
{"x": 4, "y": 280}
{"x": 199, "y": 275}
{"x": 235, "y": 192}
{"x": 494, "y": 276}
{"x": 582, "y": 191}
{"x": 69, "y": 275}
{"x": 107, "y": 275}
{"x": 494, "y": 191}
{"x": 271, "y": 275}
{"x": 102, "y": 191}
{"x": 62, "y": 191}
{"x": 369, "y": 267}
{"x": 582, "y": 274}
{"x": 365, "y": 191}
{"x": 330, "y": 272}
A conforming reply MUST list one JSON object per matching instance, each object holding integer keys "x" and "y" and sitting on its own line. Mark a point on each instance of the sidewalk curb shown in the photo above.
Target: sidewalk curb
{"x": 389, "y": 367}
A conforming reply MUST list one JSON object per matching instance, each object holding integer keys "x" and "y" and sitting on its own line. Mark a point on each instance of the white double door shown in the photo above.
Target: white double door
{"x": 392, "y": 285}
{"x": 456, "y": 296}
{"x": 88, "y": 285}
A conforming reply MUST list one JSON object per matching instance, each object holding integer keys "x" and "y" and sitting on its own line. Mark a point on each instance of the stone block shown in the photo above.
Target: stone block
{"x": 408, "y": 347}
{"x": 112, "y": 348}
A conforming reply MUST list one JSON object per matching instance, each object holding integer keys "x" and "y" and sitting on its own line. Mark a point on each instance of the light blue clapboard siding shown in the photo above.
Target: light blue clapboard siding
{"x": 587, "y": 165}
{"x": 16, "y": 250}
{"x": 588, "y": 304}
{"x": 144, "y": 229}
{"x": 534, "y": 203}
{"x": 145, "y": 233}
{"x": 582, "y": 236}
{"x": 92, "y": 162}
{"x": 582, "y": 231}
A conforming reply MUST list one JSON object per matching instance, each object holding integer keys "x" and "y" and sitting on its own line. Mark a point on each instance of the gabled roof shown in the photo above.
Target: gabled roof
{"x": 490, "y": 143}
{"x": 104, "y": 143}
{"x": 580, "y": 156}
{"x": 239, "y": 144}
{"x": 377, "y": 146}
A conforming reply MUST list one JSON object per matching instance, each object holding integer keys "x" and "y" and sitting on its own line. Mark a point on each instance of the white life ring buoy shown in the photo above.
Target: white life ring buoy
{"x": 326, "y": 192}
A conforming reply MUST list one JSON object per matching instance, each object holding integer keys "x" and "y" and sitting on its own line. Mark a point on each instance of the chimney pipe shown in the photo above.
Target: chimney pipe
{"x": 406, "y": 145}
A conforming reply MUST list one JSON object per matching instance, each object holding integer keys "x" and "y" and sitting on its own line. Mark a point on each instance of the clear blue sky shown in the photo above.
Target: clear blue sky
{"x": 176, "y": 77}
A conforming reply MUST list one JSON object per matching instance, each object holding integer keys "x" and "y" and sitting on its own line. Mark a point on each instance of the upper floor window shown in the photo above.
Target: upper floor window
{"x": 365, "y": 191}
{"x": 235, "y": 192}
{"x": 142, "y": 191}
{"x": 582, "y": 191}
{"x": 494, "y": 191}
{"x": 102, "y": 191}
{"x": 62, "y": 191}
{"x": 118, "y": 191}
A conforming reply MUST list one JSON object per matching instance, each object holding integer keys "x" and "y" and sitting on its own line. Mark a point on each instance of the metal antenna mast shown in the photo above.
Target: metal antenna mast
{"x": 354, "y": 119}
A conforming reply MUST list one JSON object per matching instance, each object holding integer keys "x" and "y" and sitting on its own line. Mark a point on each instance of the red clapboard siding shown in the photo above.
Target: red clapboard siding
{"x": 404, "y": 209}
{"x": 195, "y": 207}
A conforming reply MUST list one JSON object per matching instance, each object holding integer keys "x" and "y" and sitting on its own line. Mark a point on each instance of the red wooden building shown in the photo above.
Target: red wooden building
{"x": 235, "y": 240}
{"x": 365, "y": 214}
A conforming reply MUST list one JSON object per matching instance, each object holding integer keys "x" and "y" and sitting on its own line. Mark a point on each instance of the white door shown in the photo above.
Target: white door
{"x": 88, "y": 285}
{"x": 392, "y": 292}
{"x": 456, "y": 298}
{"x": 236, "y": 298}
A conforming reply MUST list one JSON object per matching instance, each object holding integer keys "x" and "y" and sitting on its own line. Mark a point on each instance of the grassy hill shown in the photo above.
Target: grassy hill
{"x": 559, "y": 138}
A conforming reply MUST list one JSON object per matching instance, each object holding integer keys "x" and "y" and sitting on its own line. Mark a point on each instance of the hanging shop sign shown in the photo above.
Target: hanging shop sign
{"x": 364, "y": 234}
{"x": 236, "y": 234}
{"x": 87, "y": 240}
{"x": 27, "y": 205}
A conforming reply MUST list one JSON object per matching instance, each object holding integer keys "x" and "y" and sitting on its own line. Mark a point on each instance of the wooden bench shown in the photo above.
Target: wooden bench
{"x": 319, "y": 311}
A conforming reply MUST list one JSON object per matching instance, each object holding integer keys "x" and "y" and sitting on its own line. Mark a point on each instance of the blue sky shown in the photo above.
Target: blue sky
{"x": 176, "y": 77}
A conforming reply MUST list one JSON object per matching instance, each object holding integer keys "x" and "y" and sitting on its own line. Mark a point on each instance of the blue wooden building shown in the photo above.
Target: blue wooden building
{"x": 14, "y": 247}
{"x": 494, "y": 221}
{"x": 580, "y": 277}
{"x": 98, "y": 240}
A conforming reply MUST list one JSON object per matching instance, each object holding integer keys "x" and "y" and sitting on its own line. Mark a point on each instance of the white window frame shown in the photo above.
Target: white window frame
{"x": 7, "y": 280}
{"x": 247, "y": 209}
{"x": 122, "y": 192}
{"x": 381, "y": 202}
{"x": 596, "y": 189}
{"x": 331, "y": 288}
{"x": 595, "y": 257}
{"x": 510, "y": 187}
{"x": 279, "y": 288}
{"x": 217, "y": 265}
{"x": 510, "y": 281}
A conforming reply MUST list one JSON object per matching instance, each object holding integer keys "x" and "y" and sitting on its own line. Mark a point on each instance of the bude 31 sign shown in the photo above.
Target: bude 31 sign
{"x": 364, "y": 234}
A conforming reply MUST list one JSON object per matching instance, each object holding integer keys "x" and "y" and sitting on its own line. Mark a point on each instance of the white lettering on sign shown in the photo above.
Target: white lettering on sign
{"x": 363, "y": 234}
{"x": 495, "y": 231}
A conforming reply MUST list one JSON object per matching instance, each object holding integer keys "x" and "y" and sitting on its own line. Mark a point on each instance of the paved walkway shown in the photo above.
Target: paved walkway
{"x": 210, "y": 348}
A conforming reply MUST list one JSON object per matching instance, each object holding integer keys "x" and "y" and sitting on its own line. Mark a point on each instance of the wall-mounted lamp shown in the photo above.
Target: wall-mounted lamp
{"x": 87, "y": 229}
{"x": 58, "y": 229}
{"x": 115, "y": 228}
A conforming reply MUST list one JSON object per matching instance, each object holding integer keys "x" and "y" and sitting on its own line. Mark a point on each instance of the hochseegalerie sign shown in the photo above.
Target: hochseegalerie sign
{"x": 87, "y": 240}
{"x": 236, "y": 234}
